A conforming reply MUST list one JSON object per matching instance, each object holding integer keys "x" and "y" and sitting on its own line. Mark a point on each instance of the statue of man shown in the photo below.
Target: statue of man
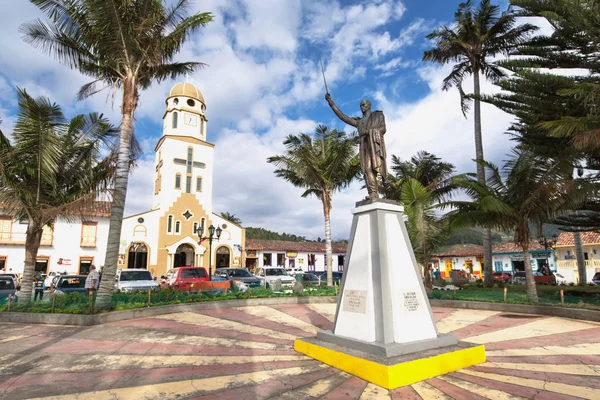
{"x": 371, "y": 128}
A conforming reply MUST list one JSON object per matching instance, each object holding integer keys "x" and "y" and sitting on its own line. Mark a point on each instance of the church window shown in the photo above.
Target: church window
{"x": 195, "y": 228}
{"x": 188, "y": 184}
{"x": 177, "y": 227}
{"x": 174, "y": 120}
{"x": 170, "y": 224}
{"x": 88, "y": 233}
{"x": 198, "y": 184}
{"x": 191, "y": 103}
{"x": 176, "y": 101}
{"x": 177, "y": 181}
{"x": 189, "y": 162}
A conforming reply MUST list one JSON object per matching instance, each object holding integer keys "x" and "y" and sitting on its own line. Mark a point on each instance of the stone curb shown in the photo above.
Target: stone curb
{"x": 89, "y": 320}
{"x": 563, "y": 312}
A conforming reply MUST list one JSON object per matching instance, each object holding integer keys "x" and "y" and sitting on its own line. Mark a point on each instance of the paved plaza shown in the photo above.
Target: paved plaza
{"x": 247, "y": 353}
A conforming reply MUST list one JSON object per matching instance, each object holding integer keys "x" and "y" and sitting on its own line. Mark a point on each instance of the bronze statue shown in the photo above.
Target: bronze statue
{"x": 371, "y": 128}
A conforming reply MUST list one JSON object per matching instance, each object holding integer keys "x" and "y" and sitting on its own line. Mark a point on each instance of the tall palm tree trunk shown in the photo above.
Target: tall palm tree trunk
{"x": 328, "y": 248}
{"x": 426, "y": 275}
{"x": 487, "y": 233}
{"x": 580, "y": 257}
{"x": 130, "y": 99}
{"x": 529, "y": 279}
{"x": 32, "y": 245}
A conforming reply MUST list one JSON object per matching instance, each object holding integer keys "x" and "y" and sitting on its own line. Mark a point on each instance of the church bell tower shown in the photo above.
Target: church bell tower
{"x": 184, "y": 158}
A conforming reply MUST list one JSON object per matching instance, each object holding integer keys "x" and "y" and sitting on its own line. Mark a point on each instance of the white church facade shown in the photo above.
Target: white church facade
{"x": 166, "y": 236}
{"x": 162, "y": 238}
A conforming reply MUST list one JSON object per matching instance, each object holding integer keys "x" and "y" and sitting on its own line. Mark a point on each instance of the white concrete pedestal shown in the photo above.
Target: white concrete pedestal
{"x": 383, "y": 308}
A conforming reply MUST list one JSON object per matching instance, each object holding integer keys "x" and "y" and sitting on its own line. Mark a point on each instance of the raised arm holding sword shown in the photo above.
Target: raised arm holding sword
{"x": 371, "y": 128}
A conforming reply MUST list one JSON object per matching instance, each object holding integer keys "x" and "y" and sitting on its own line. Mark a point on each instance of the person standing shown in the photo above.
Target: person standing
{"x": 91, "y": 282}
{"x": 39, "y": 287}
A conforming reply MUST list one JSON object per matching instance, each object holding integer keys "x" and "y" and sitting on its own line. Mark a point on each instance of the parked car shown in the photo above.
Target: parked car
{"x": 335, "y": 275}
{"x": 540, "y": 279}
{"x": 184, "y": 279}
{"x": 66, "y": 284}
{"x": 271, "y": 274}
{"x": 14, "y": 277}
{"x": 560, "y": 279}
{"x": 239, "y": 274}
{"x": 502, "y": 277}
{"x": 294, "y": 271}
{"x": 51, "y": 278}
{"x": 7, "y": 287}
{"x": 129, "y": 280}
{"x": 596, "y": 278}
{"x": 310, "y": 279}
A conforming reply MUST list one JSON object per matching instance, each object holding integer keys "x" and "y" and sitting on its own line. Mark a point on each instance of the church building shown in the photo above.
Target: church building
{"x": 167, "y": 236}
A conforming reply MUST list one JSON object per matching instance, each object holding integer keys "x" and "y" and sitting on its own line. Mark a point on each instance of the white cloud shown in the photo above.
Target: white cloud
{"x": 263, "y": 75}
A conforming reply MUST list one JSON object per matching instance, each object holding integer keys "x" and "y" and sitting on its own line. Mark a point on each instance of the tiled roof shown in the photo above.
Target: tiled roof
{"x": 566, "y": 238}
{"x": 97, "y": 208}
{"x": 515, "y": 248}
{"x": 101, "y": 208}
{"x": 282, "y": 245}
{"x": 462, "y": 252}
{"x": 475, "y": 250}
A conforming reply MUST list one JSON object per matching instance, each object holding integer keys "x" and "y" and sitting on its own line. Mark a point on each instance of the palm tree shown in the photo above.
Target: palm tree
{"x": 51, "y": 170}
{"x": 531, "y": 190}
{"x": 120, "y": 44}
{"x": 478, "y": 35}
{"x": 420, "y": 184}
{"x": 321, "y": 166}
{"x": 231, "y": 217}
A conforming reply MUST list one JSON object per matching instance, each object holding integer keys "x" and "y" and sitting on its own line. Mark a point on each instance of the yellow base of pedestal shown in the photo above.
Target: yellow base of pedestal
{"x": 393, "y": 376}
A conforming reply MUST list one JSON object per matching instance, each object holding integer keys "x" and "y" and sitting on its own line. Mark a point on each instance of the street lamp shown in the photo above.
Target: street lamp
{"x": 548, "y": 244}
{"x": 210, "y": 238}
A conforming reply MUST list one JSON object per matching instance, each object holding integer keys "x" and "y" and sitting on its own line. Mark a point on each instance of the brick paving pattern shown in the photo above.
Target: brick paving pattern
{"x": 247, "y": 353}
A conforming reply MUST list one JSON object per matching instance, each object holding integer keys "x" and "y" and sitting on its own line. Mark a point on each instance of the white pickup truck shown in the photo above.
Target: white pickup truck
{"x": 129, "y": 280}
{"x": 271, "y": 274}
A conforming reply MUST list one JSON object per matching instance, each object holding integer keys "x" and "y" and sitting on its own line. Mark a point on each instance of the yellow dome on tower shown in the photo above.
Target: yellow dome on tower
{"x": 186, "y": 89}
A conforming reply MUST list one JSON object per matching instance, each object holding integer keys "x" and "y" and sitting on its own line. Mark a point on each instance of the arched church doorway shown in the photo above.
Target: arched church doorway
{"x": 184, "y": 256}
{"x": 138, "y": 255}
{"x": 223, "y": 257}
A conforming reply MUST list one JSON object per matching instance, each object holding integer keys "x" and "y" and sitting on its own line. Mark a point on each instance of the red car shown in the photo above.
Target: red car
{"x": 503, "y": 277}
{"x": 184, "y": 279}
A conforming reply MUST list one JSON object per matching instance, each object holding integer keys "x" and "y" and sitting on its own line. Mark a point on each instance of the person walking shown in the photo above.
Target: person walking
{"x": 39, "y": 287}
{"x": 91, "y": 282}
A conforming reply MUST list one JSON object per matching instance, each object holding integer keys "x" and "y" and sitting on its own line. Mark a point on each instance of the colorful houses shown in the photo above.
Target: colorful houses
{"x": 565, "y": 254}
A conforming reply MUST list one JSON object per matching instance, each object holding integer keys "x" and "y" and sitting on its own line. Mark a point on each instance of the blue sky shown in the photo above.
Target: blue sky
{"x": 264, "y": 82}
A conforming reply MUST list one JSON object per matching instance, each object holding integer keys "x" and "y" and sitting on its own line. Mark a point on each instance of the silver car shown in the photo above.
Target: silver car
{"x": 129, "y": 280}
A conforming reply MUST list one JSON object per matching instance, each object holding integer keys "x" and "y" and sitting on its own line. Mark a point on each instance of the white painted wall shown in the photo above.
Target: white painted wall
{"x": 301, "y": 260}
{"x": 66, "y": 244}
{"x": 507, "y": 259}
{"x": 147, "y": 232}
